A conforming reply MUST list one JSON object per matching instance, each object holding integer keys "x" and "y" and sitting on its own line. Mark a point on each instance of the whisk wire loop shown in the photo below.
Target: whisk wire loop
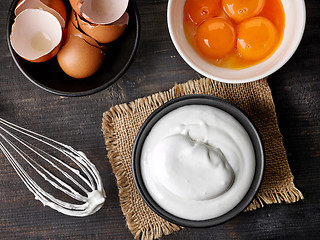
{"x": 91, "y": 185}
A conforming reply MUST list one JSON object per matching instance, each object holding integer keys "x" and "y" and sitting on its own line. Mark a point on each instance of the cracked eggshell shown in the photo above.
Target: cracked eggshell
{"x": 79, "y": 59}
{"x": 36, "y": 35}
{"x": 80, "y": 56}
{"x": 55, "y": 7}
{"x": 76, "y": 5}
{"x": 72, "y": 29}
{"x": 100, "y": 12}
{"x": 104, "y": 33}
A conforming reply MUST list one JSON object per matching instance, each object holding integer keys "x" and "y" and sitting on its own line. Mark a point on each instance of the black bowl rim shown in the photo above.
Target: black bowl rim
{"x": 198, "y": 99}
{"x": 81, "y": 93}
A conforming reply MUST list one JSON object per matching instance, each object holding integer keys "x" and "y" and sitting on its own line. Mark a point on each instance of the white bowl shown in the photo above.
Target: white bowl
{"x": 295, "y": 19}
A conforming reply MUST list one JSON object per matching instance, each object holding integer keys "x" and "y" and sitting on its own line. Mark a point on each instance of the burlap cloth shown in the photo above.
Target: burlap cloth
{"x": 122, "y": 122}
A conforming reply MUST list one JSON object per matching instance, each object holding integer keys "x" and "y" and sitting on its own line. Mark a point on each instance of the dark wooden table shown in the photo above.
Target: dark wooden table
{"x": 157, "y": 66}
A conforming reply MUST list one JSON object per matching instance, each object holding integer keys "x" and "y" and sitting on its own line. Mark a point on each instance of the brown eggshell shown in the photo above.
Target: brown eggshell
{"x": 100, "y": 12}
{"x": 79, "y": 59}
{"x": 76, "y": 5}
{"x": 36, "y": 35}
{"x": 48, "y": 56}
{"x": 104, "y": 33}
{"x": 73, "y": 19}
{"x": 72, "y": 30}
{"x": 55, "y": 7}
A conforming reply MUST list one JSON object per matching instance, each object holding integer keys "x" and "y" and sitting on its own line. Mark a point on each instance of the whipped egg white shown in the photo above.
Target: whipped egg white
{"x": 197, "y": 162}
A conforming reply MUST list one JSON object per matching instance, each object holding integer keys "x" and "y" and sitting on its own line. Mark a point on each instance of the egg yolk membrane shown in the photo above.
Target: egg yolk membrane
{"x": 234, "y": 33}
{"x": 256, "y": 38}
{"x": 216, "y": 37}
{"x": 239, "y": 10}
{"x": 197, "y": 11}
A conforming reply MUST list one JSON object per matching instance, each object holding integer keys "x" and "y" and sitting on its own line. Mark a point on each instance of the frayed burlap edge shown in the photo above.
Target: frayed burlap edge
{"x": 288, "y": 193}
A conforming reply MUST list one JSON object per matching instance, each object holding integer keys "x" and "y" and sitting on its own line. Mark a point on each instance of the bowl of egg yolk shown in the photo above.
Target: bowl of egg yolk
{"x": 236, "y": 41}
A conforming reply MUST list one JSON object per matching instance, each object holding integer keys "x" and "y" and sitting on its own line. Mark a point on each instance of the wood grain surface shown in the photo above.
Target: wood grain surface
{"x": 156, "y": 67}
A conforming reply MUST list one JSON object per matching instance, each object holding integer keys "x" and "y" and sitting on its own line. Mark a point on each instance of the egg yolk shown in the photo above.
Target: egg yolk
{"x": 216, "y": 37}
{"x": 197, "y": 11}
{"x": 239, "y": 10}
{"x": 256, "y": 38}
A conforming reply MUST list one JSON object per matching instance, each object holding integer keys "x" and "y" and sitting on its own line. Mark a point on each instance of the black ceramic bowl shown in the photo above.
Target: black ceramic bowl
{"x": 49, "y": 76}
{"x": 198, "y": 100}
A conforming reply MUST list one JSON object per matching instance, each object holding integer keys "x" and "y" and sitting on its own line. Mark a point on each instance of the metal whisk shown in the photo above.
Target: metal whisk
{"x": 75, "y": 184}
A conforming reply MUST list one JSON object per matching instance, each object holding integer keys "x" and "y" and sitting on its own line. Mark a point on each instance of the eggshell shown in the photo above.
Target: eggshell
{"x": 55, "y": 7}
{"x": 79, "y": 59}
{"x": 100, "y": 12}
{"x": 104, "y": 33}
{"x": 72, "y": 29}
{"x": 36, "y": 35}
{"x": 76, "y": 5}
{"x": 80, "y": 55}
